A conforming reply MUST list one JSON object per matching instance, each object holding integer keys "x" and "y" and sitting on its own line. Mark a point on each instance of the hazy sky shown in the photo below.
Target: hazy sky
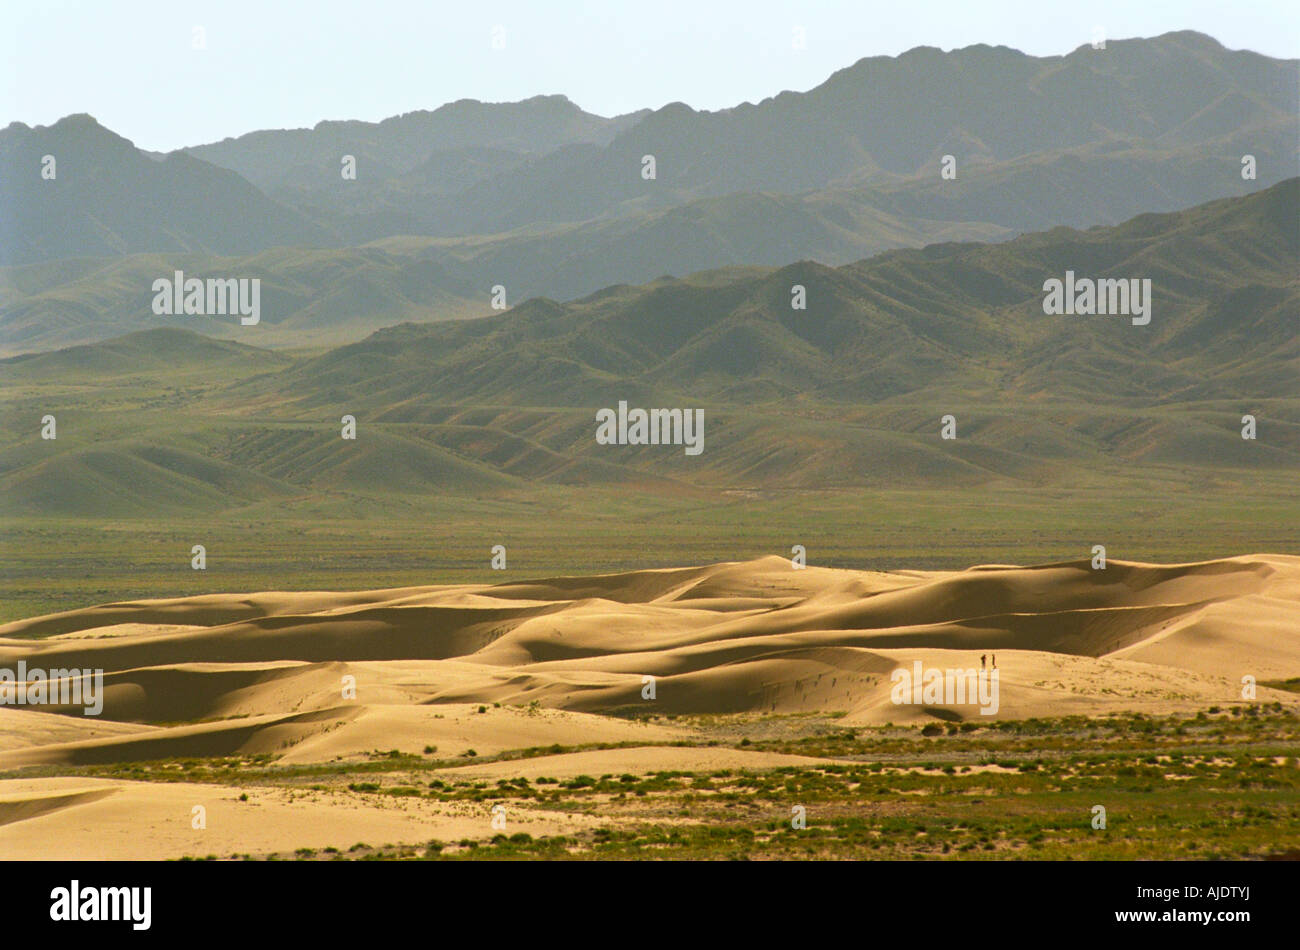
{"x": 269, "y": 64}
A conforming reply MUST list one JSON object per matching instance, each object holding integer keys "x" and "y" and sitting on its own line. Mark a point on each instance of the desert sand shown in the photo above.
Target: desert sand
{"x": 325, "y": 677}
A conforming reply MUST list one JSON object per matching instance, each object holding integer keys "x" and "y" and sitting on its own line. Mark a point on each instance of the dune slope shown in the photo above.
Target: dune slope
{"x": 321, "y": 676}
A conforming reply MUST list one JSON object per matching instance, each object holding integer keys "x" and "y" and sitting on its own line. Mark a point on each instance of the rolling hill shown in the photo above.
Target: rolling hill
{"x": 845, "y": 394}
{"x": 309, "y": 296}
{"x": 946, "y": 317}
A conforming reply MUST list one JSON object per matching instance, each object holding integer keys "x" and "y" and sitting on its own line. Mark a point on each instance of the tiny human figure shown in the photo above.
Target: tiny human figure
{"x": 995, "y": 661}
{"x": 983, "y": 657}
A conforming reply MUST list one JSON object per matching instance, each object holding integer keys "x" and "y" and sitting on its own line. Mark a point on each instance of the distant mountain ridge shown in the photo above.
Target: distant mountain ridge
{"x": 295, "y": 158}
{"x": 886, "y": 118}
{"x": 546, "y": 200}
{"x": 1145, "y": 124}
{"x": 108, "y": 198}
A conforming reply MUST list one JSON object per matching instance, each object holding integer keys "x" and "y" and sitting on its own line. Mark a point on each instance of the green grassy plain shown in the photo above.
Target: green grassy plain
{"x": 354, "y": 541}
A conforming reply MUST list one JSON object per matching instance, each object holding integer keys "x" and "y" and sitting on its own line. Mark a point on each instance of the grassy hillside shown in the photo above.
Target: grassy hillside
{"x": 950, "y": 322}
{"x": 308, "y": 296}
{"x": 822, "y": 426}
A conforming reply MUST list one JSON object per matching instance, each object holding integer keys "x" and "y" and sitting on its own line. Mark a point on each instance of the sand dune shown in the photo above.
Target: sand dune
{"x": 582, "y": 672}
{"x": 349, "y": 732}
{"x": 80, "y": 818}
{"x": 269, "y": 672}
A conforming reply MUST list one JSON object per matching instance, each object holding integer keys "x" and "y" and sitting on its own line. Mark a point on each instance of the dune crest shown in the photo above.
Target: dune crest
{"x": 569, "y": 658}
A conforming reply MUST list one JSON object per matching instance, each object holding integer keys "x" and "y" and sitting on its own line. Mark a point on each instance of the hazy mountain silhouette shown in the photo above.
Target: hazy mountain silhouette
{"x": 109, "y": 198}
{"x": 897, "y": 116}
{"x": 843, "y": 170}
{"x": 299, "y": 159}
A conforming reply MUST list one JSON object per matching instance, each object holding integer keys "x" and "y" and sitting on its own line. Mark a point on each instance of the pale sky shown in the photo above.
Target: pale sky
{"x": 269, "y": 64}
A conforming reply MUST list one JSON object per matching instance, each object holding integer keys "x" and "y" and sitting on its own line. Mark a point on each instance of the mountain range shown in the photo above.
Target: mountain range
{"x": 847, "y": 392}
{"x": 545, "y": 199}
